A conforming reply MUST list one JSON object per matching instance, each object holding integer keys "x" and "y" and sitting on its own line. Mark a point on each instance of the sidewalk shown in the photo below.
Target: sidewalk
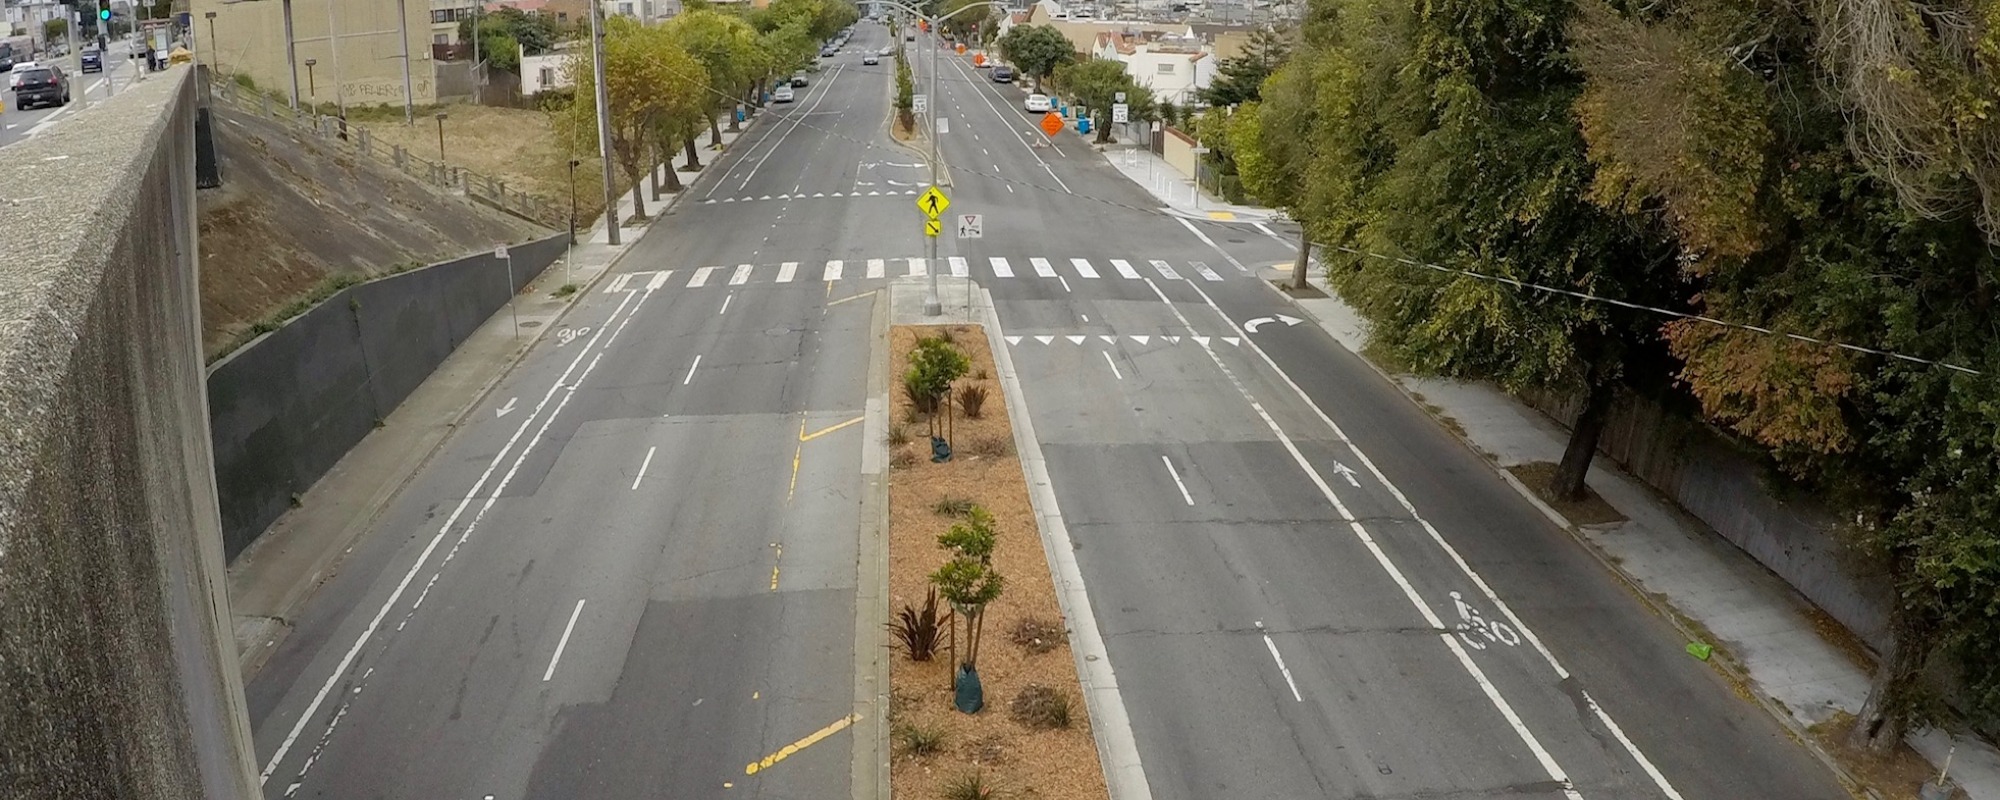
{"x": 655, "y": 207}
{"x": 1763, "y": 629}
{"x": 1178, "y": 191}
{"x": 274, "y": 577}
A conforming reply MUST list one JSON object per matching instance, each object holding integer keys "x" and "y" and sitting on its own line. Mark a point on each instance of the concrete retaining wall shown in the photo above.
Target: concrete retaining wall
{"x": 118, "y": 677}
{"x": 287, "y": 406}
{"x": 1726, "y": 488}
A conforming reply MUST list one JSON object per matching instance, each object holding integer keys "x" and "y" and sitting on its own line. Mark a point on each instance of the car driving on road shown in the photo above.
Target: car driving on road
{"x": 782, "y": 95}
{"x": 871, "y": 59}
{"x": 92, "y": 61}
{"x": 46, "y": 85}
{"x": 1003, "y": 74}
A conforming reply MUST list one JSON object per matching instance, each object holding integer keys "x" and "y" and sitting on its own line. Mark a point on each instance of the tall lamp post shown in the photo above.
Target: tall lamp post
{"x": 213, "y": 50}
{"x": 569, "y": 258}
{"x": 312, "y": 85}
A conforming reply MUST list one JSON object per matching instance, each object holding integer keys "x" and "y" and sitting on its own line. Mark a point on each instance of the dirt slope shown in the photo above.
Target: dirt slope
{"x": 292, "y": 213}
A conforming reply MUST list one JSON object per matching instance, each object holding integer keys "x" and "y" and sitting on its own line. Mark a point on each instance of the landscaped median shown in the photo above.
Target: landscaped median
{"x": 963, "y": 529}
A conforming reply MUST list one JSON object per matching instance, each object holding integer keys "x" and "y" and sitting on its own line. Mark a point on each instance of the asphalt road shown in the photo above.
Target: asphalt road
{"x": 17, "y": 124}
{"x": 630, "y": 577}
{"x": 1306, "y": 587}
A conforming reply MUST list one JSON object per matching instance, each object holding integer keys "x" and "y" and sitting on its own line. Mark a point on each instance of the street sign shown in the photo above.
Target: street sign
{"x": 1197, "y": 149}
{"x": 500, "y": 251}
{"x": 920, "y": 103}
{"x": 1121, "y": 112}
{"x": 933, "y": 203}
{"x": 1052, "y": 123}
{"x": 970, "y": 226}
{"x": 1118, "y": 97}
{"x": 933, "y": 227}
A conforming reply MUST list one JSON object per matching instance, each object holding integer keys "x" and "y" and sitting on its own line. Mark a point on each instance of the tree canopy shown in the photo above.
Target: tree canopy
{"x": 651, "y": 84}
{"x": 1240, "y": 79}
{"x": 1095, "y": 85}
{"x": 1828, "y": 170}
{"x": 1037, "y": 50}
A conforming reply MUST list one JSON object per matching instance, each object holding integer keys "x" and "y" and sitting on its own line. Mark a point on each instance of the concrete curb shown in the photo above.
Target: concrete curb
{"x": 1726, "y": 665}
{"x": 251, "y": 659}
{"x": 870, "y": 768}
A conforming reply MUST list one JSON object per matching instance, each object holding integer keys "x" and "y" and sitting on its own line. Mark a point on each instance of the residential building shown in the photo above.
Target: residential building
{"x": 445, "y": 15}
{"x": 27, "y": 18}
{"x": 549, "y": 70}
{"x": 344, "y": 52}
{"x": 1175, "y": 67}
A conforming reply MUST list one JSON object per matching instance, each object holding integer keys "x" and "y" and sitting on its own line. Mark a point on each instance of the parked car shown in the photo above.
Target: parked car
{"x": 799, "y": 78}
{"x": 14, "y": 75}
{"x": 782, "y": 95}
{"x": 92, "y": 61}
{"x": 44, "y": 85}
{"x": 1003, "y": 74}
{"x": 1038, "y": 103}
{"x": 871, "y": 59}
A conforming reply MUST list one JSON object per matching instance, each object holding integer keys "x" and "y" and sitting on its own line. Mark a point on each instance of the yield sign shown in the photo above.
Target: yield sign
{"x": 1052, "y": 123}
{"x": 933, "y": 203}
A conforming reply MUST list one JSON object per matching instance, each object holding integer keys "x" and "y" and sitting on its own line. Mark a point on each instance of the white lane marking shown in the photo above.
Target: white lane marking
{"x": 1065, "y": 283}
{"x": 742, "y": 275}
{"x": 1165, "y": 270}
{"x": 877, "y": 267}
{"x": 1042, "y": 267}
{"x": 563, "y": 643}
{"x": 1000, "y": 268}
{"x": 1562, "y": 673}
{"x": 691, "y": 368}
{"x": 918, "y": 267}
{"x": 1107, "y": 338}
{"x": 725, "y": 304}
{"x": 958, "y": 267}
{"x": 659, "y": 280}
{"x": 618, "y": 283}
{"x": 1141, "y": 338}
{"x": 642, "y": 467}
{"x": 787, "y": 270}
{"x": 1211, "y": 244}
{"x": 1282, "y": 669}
{"x": 1045, "y": 339}
{"x": 832, "y": 271}
{"x": 797, "y": 119}
{"x": 701, "y": 277}
{"x": 1206, "y": 273}
{"x": 1015, "y": 340}
{"x": 354, "y": 651}
{"x": 1114, "y": 365}
{"x": 1388, "y": 566}
{"x": 1177, "y": 476}
{"x": 1083, "y": 267}
{"x": 1271, "y": 233}
{"x": 1125, "y": 269}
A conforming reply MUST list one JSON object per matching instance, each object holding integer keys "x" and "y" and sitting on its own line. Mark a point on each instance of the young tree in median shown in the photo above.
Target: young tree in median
{"x": 1095, "y": 85}
{"x": 1037, "y": 50}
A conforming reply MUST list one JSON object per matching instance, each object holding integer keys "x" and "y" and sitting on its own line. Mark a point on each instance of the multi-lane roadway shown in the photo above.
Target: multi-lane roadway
{"x": 17, "y": 124}
{"x": 636, "y": 575}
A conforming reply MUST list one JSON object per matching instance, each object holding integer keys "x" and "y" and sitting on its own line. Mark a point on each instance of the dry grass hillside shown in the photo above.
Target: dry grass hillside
{"x": 294, "y": 217}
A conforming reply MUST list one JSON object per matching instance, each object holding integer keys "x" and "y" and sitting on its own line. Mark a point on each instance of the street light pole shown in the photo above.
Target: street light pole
{"x": 291, "y": 52}
{"x": 213, "y": 51}
{"x": 333, "y": 46}
{"x": 312, "y": 85}
{"x": 403, "y": 32}
{"x": 933, "y": 306}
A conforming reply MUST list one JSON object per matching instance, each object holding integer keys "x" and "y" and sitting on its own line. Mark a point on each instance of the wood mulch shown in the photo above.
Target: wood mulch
{"x": 1015, "y": 760}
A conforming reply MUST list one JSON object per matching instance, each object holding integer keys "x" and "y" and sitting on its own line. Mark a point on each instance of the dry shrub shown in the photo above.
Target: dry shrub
{"x": 903, "y": 459}
{"x": 899, "y": 435}
{"x": 920, "y": 740}
{"x": 952, "y": 507}
{"x": 972, "y": 398}
{"x": 991, "y": 444}
{"x": 1038, "y": 706}
{"x": 969, "y": 786}
{"x": 1037, "y": 635}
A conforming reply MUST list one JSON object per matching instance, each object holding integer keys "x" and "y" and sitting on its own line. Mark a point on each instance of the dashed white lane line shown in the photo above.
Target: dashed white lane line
{"x": 1170, "y": 468}
{"x": 1282, "y": 669}
{"x": 1119, "y": 375}
{"x": 560, "y": 645}
{"x": 725, "y": 304}
{"x": 691, "y": 368}
{"x": 642, "y": 468}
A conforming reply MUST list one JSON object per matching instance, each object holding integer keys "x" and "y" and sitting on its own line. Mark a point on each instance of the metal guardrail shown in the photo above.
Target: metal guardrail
{"x": 355, "y": 140}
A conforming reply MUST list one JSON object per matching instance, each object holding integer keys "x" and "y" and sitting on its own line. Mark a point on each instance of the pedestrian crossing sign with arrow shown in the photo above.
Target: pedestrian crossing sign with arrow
{"x": 933, "y": 227}
{"x": 933, "y": 203}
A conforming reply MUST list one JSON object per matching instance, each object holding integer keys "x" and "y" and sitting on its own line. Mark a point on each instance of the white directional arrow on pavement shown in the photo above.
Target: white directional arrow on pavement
{"x": 505, "y": 409}
{"x": 1252, "y": 325}
{"x": 1347, "y": 473}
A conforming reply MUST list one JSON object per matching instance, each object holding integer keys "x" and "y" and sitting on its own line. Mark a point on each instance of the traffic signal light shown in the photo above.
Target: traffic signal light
{"x": 103, "y": 14}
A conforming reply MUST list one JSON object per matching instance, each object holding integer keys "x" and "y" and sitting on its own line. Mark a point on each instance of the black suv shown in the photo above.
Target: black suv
{"x": 92, "y": 61}
{"x": 42, "y": 86}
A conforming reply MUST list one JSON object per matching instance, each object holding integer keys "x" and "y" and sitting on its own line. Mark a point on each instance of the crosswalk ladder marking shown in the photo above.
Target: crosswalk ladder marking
{"x": 742, "y": 275}
{"x": 1083, "y": 267}
{"x": 1000, "y": 268}
{"x": 832, "y": 271}
{"x": 786, "y": 270}
{"x": 701, "y": 277}
{"x": 1042, "y": 267}
{"x": 876, "y": 267}
{"x": 1125, "y": 269}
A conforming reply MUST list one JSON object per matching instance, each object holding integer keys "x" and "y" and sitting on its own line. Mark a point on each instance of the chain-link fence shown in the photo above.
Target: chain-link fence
{"x": 355, "y": 140}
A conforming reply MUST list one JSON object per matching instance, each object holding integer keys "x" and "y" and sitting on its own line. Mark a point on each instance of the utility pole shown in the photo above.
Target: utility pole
{"x": 932, "y": 305}
{"x": 603, "y": 119}
{"x": 333, "y": 45}
{"x": 403, "y": 31}
{"x": 291, "y": 52}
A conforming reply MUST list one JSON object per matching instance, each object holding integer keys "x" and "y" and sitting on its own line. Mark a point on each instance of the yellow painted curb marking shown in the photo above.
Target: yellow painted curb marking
{"x": 789, "y": 750}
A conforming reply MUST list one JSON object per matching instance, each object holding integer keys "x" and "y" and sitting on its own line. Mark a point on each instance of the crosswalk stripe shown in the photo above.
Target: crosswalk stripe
{"x": 1206, "y": 273}
{"x": 1000, "y": 268}
{"x": 1083, "y": 267}
{"x": 786, "y": 270}
{"x": 876, "y": 267}
{"x": 1125, "y": 269}
{"x": 659, "y": 280}
{"x": 1042, "y": 267}
{"x": 618, "y": 283}
{"x": 701, "y": 277}
{"x": 1166, "y": 271}
{"x": 832, "y": 271}
{"x": 742, "y": 275}
{"x": 918, "y": 268}
{"x": 958, "y": 267}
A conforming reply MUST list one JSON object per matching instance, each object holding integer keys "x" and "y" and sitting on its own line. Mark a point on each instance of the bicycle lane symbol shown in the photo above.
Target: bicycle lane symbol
{"x": 1477, "y": 632}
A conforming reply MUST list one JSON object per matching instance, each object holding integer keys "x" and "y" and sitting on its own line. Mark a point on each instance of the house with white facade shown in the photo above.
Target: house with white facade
{"x": 548, "y": 70}
{"x": 1176, "y": 67}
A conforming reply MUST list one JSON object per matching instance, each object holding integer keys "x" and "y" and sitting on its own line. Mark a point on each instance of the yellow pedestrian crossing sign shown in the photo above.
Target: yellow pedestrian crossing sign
{"x": 932, "y": 227}
{"x": 933, "y": 203}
